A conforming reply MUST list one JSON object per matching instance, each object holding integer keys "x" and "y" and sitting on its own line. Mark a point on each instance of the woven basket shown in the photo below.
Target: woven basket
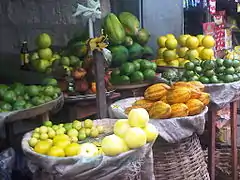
{"x": 180, "y": 161}
{"x": 223, "y": 157}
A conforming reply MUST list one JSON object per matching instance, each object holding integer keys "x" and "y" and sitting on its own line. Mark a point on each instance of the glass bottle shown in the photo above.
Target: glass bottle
{"x": 24, "y": 56}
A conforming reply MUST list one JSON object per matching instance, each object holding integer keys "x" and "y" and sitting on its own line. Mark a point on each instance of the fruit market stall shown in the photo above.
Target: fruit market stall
{"x": 178, "y": 112}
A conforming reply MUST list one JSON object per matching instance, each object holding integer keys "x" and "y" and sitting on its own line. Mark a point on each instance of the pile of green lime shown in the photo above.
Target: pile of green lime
{"x": 212, "y": 71}
{"x": 134, "y": 72}
{"x": 18, "y": 96}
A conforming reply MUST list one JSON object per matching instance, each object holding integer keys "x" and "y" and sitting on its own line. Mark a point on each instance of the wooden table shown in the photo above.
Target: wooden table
{"x": 83, "y": 108}
{"x": 212, "y": 115}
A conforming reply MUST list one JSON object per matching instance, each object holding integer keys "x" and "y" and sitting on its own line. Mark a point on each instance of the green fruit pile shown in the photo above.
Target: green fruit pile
{"x": 44, "y": 60}
{"x": 212, "y": 71}
{"x": 18, "y": 96}
{"x": 62, "y": 140}
{"x": 128, "y": 41}
{"x": 134, "y": 72}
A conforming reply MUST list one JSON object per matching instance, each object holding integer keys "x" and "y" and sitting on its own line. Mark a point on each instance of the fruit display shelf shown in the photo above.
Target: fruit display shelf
{"x": 92, "y": 167}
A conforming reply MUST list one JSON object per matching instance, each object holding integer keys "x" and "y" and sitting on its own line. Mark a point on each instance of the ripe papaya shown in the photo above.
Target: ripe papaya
{"x": 130, "y": 23}
{"x": 114, "y": 29}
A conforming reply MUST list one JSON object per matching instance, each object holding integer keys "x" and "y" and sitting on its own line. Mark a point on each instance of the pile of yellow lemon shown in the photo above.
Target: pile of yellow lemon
{"x": 62, "y": 140}
{"x": 177, "y": 52}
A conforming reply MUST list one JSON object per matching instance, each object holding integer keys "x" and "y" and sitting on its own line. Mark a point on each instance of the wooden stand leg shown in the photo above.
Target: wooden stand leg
{"x": 233, "y": 111}
{"x": 212, "y": 145}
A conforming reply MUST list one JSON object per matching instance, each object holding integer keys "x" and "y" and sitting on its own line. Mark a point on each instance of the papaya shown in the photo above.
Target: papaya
{"x": 130, "y": 23}
{"x": 119, "y": 55}
{"x": 114, "y": 29}
{"x": 135, "y": 51}
{"x": 143, "y": 36}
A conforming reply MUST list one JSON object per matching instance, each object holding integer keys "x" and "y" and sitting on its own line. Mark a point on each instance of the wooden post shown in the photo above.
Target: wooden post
{"x": 100, "y": 83}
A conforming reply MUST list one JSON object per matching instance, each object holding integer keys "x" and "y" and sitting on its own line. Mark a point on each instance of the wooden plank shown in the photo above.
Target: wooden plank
{"x": 233, "y": 115}
{"x": 100, "y": 83}
{"x": 211, "y": 146}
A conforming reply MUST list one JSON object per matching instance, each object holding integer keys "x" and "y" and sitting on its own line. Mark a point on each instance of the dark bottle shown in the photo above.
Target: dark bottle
{"x": 24, "y": 56}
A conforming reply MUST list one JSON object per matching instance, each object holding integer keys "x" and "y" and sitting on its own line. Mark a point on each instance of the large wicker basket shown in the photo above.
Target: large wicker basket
{"x": 180, "y": 161}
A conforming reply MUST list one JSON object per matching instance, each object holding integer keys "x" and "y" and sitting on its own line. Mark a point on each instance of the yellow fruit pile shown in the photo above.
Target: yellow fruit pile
{"x": 180, "y": 100}
{"x": 62, "y": 140}
{"x": 130, "y": 133}
{"x": 173, "y": 52}
{"x": 233, "y": 54}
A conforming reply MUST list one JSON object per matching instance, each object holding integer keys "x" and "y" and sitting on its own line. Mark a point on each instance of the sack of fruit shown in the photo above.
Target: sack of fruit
{"x": 55, "y": 154}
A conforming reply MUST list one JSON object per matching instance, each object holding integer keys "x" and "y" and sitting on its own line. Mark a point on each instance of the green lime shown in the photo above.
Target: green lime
{"x": 214, "y": 79}
{"x": 9, "y": 97}
{"x": 208, "y": 65}
{"x": 50, "y": 81}
{"x": 47, "y": 123}
{"x": 229, "y": 70}
{"x": 209, "y": 73}
{"x": 204, "y": 80}
{"x": 32, "y": 90}
{"x": 145, "y": 64}
{"x": 235, "y": 77}
{"x": 65, "y": 61}
{"x": 49, "y": 91}
{"x": 228, "y": 78}
{"x": 194, "y": 78}
{"x": 195, "y": 62}
{"x": 136, "y": 65}
{"x": 227, "y": 63}
{"x": 5, "y": 107}
{"x": 219, "y": 62}
{"x": 189, "y": 66}
{"x": 154, "y": 66}
{"x": 198, "y": 69}
{"x": 189, "y": 73}
{"x": 36, "y": 101}
{"x": 28, "y": 106}
{"x": 221, "y": 76}
{"x": 237, "y": 69}
{"x": 220, "y": 69}
{"x": 184, "y": 79}
{"x": 236, "y": 63}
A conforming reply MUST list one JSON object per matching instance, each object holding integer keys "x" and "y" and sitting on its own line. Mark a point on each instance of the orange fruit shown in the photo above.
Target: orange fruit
{"x": 169, "y": 55}
{"x": 207, "y": 54}
{"x": 192, "y": 42}
{"x": 171, "y": 43}
{"x": 161, "y": 41}
{"x": 182, "y": 51}
{"x": 208, "y": 41}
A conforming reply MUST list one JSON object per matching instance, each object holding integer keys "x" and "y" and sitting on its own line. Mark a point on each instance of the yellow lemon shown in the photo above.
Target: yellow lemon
{"x": 171, "y": 43}
{"x": 182, "y": 39}
{"x": 72, "y": 149}
{"x": 60, "y": 137}
{"x": 192, "y": 54}
{"x": 207, "y": 54}
{"x": 169, "y": 55}
{"x": 161, "y": 41}
{"x": 169, "y": 36}
{"x": 56, "y": 152}
{"x": 200, "y": 48}
{"x": 62, "y": 143}
{"x": 160, "y": 52}
{"x": 174, "y": 63}
{"x": 192, "y": 42}
{"x": 42, "y": 147}
{"x": 182, "y": 51}
{"x": 200, "y": 37}
{"x": 208, "y": 42}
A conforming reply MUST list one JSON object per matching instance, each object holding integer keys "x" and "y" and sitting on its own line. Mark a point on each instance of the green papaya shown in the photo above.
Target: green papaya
{"x": 114, "y": 29}
{"x": 143, "y": 36}
{"x": 119, "y": 55}
{"x": 130, "y": 23}
{"x": 147, "y": 52}
{"x": 135, "y": 51}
